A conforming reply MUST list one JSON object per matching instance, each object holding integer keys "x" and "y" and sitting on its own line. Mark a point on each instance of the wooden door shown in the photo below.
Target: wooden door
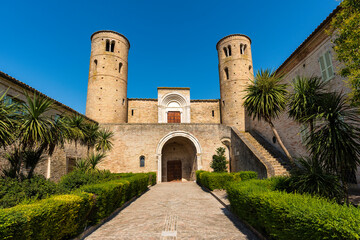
{"x": 174, "y": 172}
{"x": 174, "y": 117}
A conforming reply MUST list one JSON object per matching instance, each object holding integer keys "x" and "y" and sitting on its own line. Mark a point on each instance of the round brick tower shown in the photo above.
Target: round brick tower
{"x": 235, "y": 72}
{"x": 107, "y": 86}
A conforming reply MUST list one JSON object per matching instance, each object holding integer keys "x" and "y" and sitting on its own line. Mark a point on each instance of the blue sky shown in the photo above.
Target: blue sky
{"x": 46, "y": 44}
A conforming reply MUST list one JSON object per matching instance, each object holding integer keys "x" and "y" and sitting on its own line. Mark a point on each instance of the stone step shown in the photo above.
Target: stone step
{"x": 279, "y": 168}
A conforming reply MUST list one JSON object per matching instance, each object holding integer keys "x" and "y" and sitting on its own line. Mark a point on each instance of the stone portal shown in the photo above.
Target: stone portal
{"x": 178, "y": 160}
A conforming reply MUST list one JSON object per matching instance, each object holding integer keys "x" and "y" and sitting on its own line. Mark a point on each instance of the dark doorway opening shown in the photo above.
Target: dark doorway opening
{"x": 174, "y": 171}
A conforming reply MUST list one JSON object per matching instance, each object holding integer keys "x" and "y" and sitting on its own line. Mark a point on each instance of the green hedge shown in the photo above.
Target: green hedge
{"x": 58, "y": 217}
{"x": 213, "y": 180}
{"x": 152, "y": 178}
{"x": 65, "y": 216}
{"x": 281, "y": 215}
{"x": 112, "y": 195}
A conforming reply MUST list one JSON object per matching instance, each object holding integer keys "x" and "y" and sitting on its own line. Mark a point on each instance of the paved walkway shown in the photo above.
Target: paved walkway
{"x": 173, "y": 211}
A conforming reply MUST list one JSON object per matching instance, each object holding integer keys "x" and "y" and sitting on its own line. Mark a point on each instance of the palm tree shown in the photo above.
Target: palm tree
{"x": 35, "y": 133}
{"x": 76, "y": 125}
{"x": 95, "y": 159}
{"x": 336, "y": 138}
{"x": 8, "y": 120}
{"x": 82, "y": 164}
{"x": 60, "y": 132}
{"x": 91, "y": 135}
{"x": 36, "y": 122}
{"x": 265, "y": 99}
{"x": 104, "y": 141}
{"x": 305, "y": 100}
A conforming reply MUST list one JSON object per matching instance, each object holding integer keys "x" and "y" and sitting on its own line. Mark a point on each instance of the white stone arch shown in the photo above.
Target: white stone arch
{"x": 171, "y": 135}
{"x": 183, "y": 107}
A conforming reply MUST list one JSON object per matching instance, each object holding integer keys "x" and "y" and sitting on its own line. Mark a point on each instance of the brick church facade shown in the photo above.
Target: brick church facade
{"x": 175, "y": 135}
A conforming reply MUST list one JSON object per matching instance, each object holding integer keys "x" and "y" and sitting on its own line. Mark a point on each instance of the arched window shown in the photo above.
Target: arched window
{"x": 226, "y": 70}
{"x": 107, "y": 45}
{"x": 112, "y": 46}
{"x": 225, "y": 51}
{"x": 142, "y": 161}
{"x": 95, "y": 65}
{"x": 120, "y": 65}
{"x": 229, "y": 47}
{"x": 242, "y": 48}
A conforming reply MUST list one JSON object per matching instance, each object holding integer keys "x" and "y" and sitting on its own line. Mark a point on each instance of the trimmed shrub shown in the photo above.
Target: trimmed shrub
{"x": 78, "y": 178}
{"x": 113, "y": 194}
{"x": 281, "y": 215}
{"x": 247, "y": 175}
{"x": 65, "y": 216}
{"x": 219, "y": 160}
{"x": 13, "y": 192}
{"x": 57, "y": 217}
{"x": 213, "y": 180}
{"x": 152, "y": 178}
{"x": 198, "y": 174}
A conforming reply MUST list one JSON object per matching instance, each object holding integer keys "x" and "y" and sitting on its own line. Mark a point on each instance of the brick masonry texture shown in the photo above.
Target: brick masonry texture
{"x": 107, "y": 85}
{"x": 134, "y": 140}
{"x": 233, "y": 84}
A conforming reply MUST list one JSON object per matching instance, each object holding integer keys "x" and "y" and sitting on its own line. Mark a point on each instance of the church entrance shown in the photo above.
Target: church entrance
{"x": 178, "y": 161}
{"x": 174, "y": 171}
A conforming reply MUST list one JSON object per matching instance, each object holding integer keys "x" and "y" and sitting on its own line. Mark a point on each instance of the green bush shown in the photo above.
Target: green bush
{"x": 214, "y": 180}
{"x": 247, "y": 175}
{"x": 281, "y": 215}
{"x": 78, "y": 178}
{"x": 65, "y": 216}
{"x": 58, "y": 217}
{"x": 113, "y": 194}
{"x": 219, "y": 160}
{"x": 13, "y": 191}
{"x": 152, "y": 178}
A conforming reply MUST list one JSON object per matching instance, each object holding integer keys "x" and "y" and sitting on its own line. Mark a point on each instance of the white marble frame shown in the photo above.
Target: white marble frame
{"x": 184, "y": 108}
{"x": 171, "y": 135}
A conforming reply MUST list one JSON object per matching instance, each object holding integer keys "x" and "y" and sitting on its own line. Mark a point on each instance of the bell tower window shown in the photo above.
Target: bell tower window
{"x": 120, "y": 65}
{"x": 112, "y": 46}
{"x": 95, "y": 64}
{"x": 225, "y": 51}
{"x": 226, "y": 71}
{"x": 229, "y": 50}
{"x": 242, "y": 49}
{"x": 107, "y": 45}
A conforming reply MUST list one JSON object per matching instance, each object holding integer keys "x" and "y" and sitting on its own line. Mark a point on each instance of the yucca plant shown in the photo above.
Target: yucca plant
{"x": 15, "y": 161}
{"x": 60, "y": 133}
{"x": 94, "y": 159}
{"x": 311, "y": 177}
{"x": 336, "y": 138}
{"x": 82, "y": 164}
{"x": 31, "y": 159}
{"x": 305, "y": 100}
{"x": 265, "y": 99}
{"x": 91, "y": 135}
{"x": 8, "y": 120}
{"x": 76, "y": 125}
{"x": 36, "y": 122}
{"x": 104, "y": 143}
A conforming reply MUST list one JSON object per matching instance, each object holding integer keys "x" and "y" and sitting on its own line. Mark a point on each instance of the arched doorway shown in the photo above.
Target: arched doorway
{"x": 179, "y": 156}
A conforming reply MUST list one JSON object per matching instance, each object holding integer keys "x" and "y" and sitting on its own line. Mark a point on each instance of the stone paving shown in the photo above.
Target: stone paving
{"x": 173, "y": 211}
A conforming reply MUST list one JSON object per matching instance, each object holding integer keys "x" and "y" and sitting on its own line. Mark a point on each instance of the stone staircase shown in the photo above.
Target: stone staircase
{"x": 266, "y": 153}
